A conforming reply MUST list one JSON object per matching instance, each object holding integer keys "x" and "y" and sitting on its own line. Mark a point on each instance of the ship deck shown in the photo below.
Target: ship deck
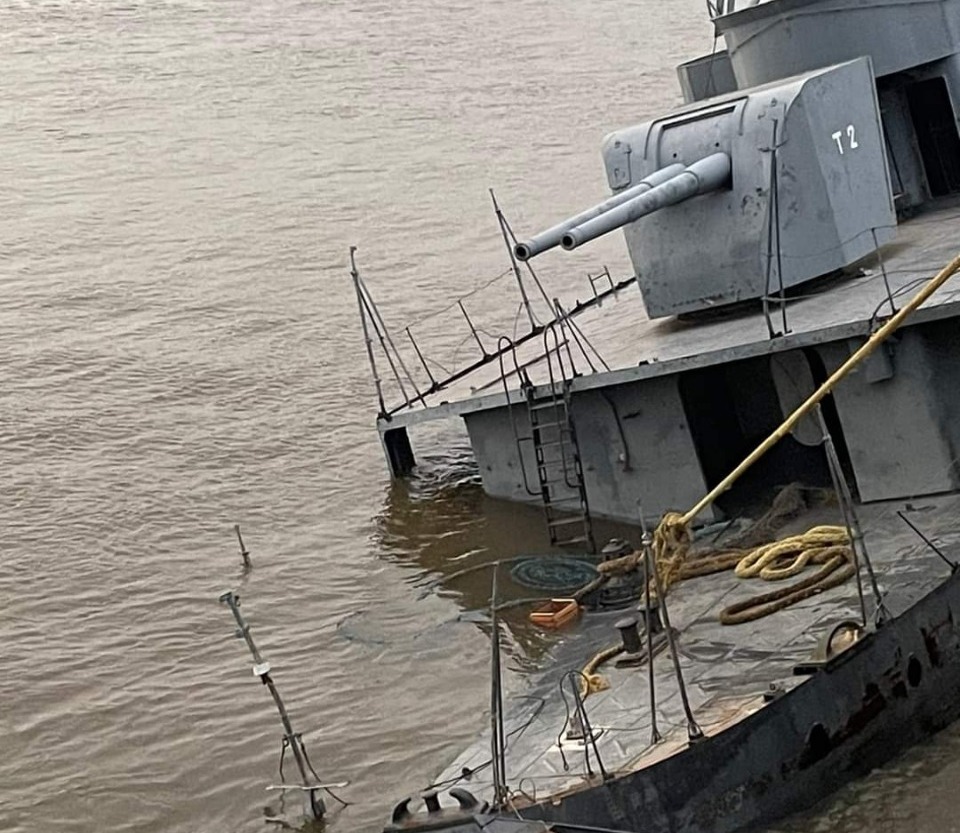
{"x": 727, "y": 669}
{"x": 634, "y": 347}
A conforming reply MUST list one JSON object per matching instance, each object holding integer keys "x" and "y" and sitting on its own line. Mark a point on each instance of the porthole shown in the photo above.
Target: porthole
{"x": 914, "y": 671}
{"x": 818, "y": 741}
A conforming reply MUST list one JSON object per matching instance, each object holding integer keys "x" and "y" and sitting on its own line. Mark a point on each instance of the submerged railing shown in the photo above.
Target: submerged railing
{"x": 423, "y": 374}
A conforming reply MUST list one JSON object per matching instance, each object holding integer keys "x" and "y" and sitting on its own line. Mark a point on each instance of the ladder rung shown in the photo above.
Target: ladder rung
{"x": 560, "y": 477}
{"x": 553, "y": 481}
{"x": 565, "y": 522}
{"x": 554, "y": 469}
{"x": 568, "y": 505}
{"x": 562, "y": 463}
{"x": 565, "y": 463}
{"x": 563, "y": 515}
{"x": 562, "y": 508}
{"x": 557, "y": 480}
{"x": 569, "y": 458}
{"x": 552, "y": 403}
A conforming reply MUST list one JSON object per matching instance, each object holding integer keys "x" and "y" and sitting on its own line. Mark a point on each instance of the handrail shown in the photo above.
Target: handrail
{"x": 390, "y": 410}
{"x": 501, "y": 349}
{"x": 551, "y": 328}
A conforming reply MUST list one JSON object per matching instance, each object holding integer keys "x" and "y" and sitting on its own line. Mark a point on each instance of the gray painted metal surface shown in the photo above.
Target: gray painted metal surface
{"x": 551, "y": 238}
{"x": 786, "y": 37}
{"x": 647, "y": 359}
{"x": 708, "y": 174}
{"x": 634, "y": 440}
{"x": 705, "y": 77}
{"x": 808, "y": 195}
{"x": 908, "y": 41}
{"x": 900, "y": 439}
{"x": 764, "y": 757}
{"x": 815, "y": 181}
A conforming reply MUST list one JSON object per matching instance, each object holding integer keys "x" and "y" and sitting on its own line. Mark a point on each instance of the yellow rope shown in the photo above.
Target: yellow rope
{"x": 672, "y": 538}
{"x": 865, "y": 350}
{"x": 837, "y": 569}
{"x": 591, "y": 681}
{"x": 827, "y": 546}
{"x": 762, "y": 561}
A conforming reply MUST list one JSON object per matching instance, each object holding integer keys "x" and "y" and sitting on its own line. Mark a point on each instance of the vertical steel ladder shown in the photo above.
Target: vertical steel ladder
{"x": 557, "y": 455}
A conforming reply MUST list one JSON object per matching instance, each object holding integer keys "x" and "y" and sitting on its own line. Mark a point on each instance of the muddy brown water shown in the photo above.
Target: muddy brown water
{"x": 180, "y": 181}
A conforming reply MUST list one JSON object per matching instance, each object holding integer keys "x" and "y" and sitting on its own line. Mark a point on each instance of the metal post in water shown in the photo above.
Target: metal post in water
{"x": 423, "y": 361}
{"x": 473, "y": 329}
{"x": 261, "y": 669}
{"x": 560, "y": 319}
{"x": 366, "y": 331}
{"x": 533, "y": 274}
{"x": 244, "y": 552}
{"x": 496, "y": 703}
{"x": 381, "y": 327}
{"x": 367, "y": 303}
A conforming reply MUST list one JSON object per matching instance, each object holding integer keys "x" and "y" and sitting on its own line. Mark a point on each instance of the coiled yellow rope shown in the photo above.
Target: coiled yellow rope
{"x": 827, "y": 546}
{"x": 804, "y": 547}
{"x": 672, "y": 539}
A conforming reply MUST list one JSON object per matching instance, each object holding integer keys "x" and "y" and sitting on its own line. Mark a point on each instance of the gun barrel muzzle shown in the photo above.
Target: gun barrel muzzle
{"x": 553, "y": 236}
{"x": 707, "y": 174}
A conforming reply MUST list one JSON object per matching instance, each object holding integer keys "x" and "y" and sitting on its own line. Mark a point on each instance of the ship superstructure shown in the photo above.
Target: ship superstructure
{"x": 774, "y": 221}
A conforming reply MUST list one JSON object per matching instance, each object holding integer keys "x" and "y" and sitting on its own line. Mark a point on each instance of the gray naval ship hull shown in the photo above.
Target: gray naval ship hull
{"x": 808, "y": 186}
{"x": 894, "y": 687}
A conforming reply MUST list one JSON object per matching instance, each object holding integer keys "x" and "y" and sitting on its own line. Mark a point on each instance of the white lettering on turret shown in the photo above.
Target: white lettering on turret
{"x": 852, "y": 142}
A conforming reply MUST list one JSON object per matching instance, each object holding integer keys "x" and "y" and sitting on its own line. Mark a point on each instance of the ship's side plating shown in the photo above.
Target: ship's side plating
{"x": 665, "y": 433}
{"x": 873, "y": 700}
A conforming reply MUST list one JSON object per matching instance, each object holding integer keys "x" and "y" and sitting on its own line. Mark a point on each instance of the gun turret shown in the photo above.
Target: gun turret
{"x": 552, "y": 236}
{"x": 705, "y": 175}
{"x": 790, "y": 183}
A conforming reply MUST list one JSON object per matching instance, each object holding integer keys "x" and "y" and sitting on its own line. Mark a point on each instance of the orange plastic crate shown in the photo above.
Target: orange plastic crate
{"x": 556, "y": 613}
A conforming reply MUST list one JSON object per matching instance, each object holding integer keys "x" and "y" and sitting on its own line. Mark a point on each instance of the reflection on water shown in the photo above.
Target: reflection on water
{"x": 440, "y": 522}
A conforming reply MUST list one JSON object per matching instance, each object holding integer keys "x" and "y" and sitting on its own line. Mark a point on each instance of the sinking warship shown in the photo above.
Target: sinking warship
{"x": 773, "y": 222}
{"x": 781, "y": 327}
